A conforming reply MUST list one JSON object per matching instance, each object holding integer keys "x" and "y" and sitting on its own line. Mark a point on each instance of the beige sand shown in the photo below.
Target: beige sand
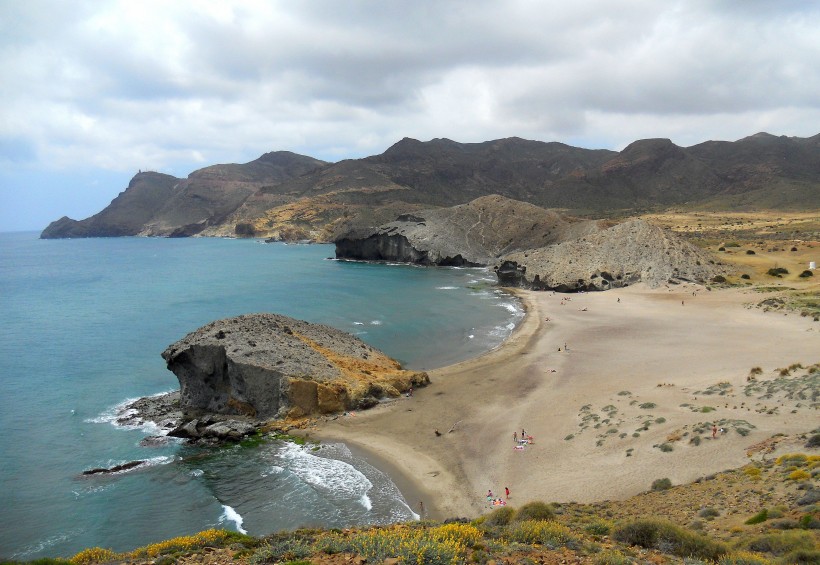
{"x": 658, "y": 346}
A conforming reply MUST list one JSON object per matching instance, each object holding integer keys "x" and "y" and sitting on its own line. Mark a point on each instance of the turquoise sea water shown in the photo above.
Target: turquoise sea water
{"x": 82, "y": 325}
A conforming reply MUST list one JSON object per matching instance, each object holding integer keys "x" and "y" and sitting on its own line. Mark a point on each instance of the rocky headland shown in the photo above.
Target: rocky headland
{"x": 238, "y": 373}
{"x": 472, "y": 234}
{"x": 531, "y": 247}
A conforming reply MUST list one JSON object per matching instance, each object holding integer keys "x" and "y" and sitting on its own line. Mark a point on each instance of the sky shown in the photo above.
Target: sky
{"x": 93, "y": 91}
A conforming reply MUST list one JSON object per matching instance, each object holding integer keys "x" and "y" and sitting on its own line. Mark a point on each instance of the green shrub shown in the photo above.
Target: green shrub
{"x": 780, "y": 543}
{"x": 801, "y": 556}
{"x": 814, "y": 441}
{"x": 806, "y": 274}
{"x": 661, "y": 484}
{"x": 666, "y": 447}
{"x": 598, "y": 527}
{"x": 534, "y": 511}
{"x": 611, "y": 557}
{"x": 708, "y": 513}
{"x": 499, "y": 517}
{"x": 668, "y": 538}
{"x": 777, "y": 272}
{"x": 648, "y": 405}
{"x": 547, "y": 533}
{"x": 761, "y": 516}
{"x": 743, "y": 558}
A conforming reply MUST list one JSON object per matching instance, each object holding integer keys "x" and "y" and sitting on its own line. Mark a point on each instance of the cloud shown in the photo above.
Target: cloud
{"x": 171, "y": 85}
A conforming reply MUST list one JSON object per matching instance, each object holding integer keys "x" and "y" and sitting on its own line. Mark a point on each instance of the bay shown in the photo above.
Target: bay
{"x": 83, "y": 324}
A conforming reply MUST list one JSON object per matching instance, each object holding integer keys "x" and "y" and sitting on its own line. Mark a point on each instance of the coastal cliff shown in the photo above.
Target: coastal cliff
{"x": 530, "y": 247}
{"x": 271, "y": 366}
{"x": 468, "y": 235}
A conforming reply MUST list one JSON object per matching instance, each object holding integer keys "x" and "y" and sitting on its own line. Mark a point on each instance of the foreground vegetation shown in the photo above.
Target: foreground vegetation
{"x": 764, "y": 513}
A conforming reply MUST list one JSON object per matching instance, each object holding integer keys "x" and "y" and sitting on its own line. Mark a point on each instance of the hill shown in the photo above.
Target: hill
{"x": 288, "y": 196}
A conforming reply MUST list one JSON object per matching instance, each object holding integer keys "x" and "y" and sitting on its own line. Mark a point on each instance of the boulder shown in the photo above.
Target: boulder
{"x": 262, "y": 366}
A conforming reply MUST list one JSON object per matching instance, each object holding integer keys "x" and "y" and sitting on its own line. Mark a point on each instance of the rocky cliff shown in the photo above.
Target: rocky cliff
{"x": 624, "y": 254}
{"x": 273, "y": 366}
{"x": 472, "y": 234}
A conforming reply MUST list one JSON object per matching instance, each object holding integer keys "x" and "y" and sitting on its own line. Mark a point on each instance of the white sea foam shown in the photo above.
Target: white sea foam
{"x": 511, "y": 307}
{"x": 197, "y": 473}
{"x": 331, "y": 477}
{"x": 231, "y": 515}
{"x": 273, "y": 470}
{"x": 114, "y": 414}
{"x": 446, "y": 288}
{"x": 375, "y": 322}
{"x": 358, "y": 323}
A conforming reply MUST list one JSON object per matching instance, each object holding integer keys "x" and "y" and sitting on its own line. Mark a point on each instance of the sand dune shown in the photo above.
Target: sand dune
{"x": 646, "y": 366}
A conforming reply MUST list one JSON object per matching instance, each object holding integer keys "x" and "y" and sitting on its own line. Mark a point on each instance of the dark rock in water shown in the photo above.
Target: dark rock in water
{"x": 114, "y": 469}
{"x": 154, "y": 441}
{"x": 207, "y": 429}
{"x": 261, "y": 366}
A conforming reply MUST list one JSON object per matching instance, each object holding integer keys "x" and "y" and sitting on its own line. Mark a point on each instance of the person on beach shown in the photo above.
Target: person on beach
{"x": 515, "y": 437}
{"x": 714, "y": 431}
{"x": 506, "y": 492}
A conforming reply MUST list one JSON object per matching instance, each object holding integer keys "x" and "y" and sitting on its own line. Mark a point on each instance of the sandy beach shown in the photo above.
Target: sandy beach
{"x": 600, "y": 381}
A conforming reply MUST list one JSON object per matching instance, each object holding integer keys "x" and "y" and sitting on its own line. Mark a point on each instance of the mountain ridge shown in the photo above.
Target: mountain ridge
{"x": 284, "y": 195}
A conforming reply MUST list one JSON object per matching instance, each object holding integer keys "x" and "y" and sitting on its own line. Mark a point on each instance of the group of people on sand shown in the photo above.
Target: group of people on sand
{"x": 493, "y": 501}
{"x": 525, "y": 439}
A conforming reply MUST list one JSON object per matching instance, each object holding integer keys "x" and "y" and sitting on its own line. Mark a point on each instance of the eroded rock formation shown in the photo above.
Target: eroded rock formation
{"x": 624, "y": 254}
{"x": 467, "y": 235}
{"x": 271, "y": 366}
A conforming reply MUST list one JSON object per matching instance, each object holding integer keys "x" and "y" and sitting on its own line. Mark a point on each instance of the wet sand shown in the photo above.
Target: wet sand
{"x": 633, "y": 377}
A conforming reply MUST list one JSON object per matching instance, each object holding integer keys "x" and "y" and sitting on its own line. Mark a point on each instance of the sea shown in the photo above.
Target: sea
{"x": 82, "y": 326}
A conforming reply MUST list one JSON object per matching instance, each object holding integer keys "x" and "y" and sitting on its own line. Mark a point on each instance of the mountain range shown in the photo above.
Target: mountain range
{"x": 286, "y": 196}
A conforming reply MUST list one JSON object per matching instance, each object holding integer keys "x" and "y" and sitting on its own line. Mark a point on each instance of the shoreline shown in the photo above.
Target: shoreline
{"x": 663, "y": 347}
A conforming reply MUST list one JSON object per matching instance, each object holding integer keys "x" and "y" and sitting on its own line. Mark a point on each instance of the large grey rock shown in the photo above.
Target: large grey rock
{"x": 269, "y": 365}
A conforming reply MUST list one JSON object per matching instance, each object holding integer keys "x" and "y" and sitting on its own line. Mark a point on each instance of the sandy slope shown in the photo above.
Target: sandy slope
{"x": 662, "y": 346}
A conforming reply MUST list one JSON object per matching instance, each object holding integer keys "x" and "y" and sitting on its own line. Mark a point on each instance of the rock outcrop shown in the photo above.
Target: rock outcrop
{"x": 471, "y": 235}
{"x": 624, "y": 254}
{"x": 264, "y": 366}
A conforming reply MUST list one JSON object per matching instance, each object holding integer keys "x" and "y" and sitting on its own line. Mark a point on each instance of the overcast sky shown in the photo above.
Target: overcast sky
{"x": 90, "y": 92}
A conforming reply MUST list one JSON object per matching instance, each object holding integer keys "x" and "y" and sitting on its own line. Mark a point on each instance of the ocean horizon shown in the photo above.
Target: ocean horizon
{"x": 85, "y": 321}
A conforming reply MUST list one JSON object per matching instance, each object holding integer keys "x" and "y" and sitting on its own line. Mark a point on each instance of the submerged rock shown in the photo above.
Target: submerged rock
{"x": 262, "y": 366}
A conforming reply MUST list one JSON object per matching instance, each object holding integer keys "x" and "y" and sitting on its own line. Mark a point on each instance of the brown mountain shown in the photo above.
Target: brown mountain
{"x": 288, "y": 196}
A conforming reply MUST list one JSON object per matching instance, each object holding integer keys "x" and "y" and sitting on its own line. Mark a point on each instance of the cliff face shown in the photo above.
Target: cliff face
{"x": 273, "y": 366}
{"x": 472, "y": 234}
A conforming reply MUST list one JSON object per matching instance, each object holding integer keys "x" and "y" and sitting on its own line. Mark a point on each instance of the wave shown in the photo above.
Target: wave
{"x": 117, "y": 415}
{"x": 332, "y": 478}
{"x": 446, "y": 288}
{"x": 231, "y": 515}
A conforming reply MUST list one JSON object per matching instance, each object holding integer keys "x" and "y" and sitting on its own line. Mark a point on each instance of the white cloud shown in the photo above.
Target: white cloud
{"x": 169, "y": 85}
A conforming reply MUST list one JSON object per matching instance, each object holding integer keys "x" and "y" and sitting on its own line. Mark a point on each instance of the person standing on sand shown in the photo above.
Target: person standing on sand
{"x": 515, "y": 437}
{"x": 714, "y": 431}
{"x": 506, "y": 492}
